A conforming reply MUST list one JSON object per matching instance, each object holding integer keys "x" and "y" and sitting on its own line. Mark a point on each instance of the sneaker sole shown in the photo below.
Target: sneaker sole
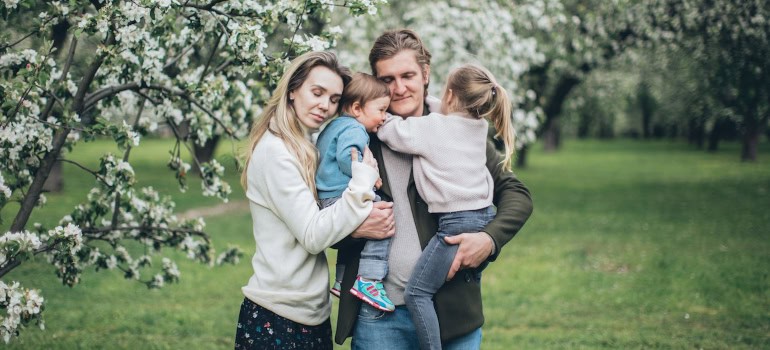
{"x": 366, "y": 299}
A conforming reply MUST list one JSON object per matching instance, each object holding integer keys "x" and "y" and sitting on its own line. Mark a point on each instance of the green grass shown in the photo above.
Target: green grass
{"x": 632, "y": 245}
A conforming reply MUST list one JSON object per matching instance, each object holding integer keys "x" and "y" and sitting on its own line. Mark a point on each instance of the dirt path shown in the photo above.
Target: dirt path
{"x": 219, "y": 209}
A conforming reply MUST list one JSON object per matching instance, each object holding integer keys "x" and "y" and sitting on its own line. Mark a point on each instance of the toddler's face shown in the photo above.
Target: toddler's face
{"x": 373, "y": 114}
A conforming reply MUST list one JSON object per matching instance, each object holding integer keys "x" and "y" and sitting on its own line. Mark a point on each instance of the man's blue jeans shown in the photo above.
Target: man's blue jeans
{"x": 377, "y": 329}
{"x": 432, "y": 268}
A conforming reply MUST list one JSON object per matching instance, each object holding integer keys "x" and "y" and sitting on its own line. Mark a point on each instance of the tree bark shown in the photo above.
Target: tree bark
{"x": 750, "y": 146}
{"x": 751, "y": 141}
{"x": 206, "y": 152}
{"x": 55, "y": 181}
{"x": 646, "y": 104}
{"x": 696, "y": 132}
{"x": 552, "y": 110}
{"x": 715, "y": 135}
{"x": 521, "y": 157}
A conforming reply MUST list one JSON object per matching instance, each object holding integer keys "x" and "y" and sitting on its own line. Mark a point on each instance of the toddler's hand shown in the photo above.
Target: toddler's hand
{"x": 378, "y": 183}
{"x": 368, "y": 158}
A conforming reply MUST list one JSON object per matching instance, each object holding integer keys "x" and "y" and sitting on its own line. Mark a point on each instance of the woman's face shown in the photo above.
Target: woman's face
{"x": 317, "y": 98}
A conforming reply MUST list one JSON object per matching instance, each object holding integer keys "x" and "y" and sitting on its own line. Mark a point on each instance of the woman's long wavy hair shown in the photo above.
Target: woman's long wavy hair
{"x": 281, "y": 120}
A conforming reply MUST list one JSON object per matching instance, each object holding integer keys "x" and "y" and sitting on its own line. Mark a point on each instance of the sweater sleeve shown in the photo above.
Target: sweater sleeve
{"x": 281, "y": 188}
{"x": 512, "y": 199}
{"x": 403, "y": 134}
{"x": 352, "y": 137}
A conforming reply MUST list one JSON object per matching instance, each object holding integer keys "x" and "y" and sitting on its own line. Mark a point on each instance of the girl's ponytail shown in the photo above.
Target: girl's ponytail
{"x": 500, "y": 116}
{"x": 478, "y": 94}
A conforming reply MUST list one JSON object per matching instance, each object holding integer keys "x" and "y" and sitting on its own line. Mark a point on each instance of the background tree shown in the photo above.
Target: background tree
{"x": 576, "y": 38}
{"x": 730, "y": 41}
{"x": 130, "y": 68}
{"x": 455, "y": 35}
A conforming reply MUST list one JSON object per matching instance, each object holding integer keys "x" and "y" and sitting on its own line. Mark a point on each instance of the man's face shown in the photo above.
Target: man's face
{"x": 406, "y": 81}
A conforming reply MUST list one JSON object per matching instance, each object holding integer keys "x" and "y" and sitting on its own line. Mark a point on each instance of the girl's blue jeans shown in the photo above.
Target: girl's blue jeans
{"x": 432, "y": 269}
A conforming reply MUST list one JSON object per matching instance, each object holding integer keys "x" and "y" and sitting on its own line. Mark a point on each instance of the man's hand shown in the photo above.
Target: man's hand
{"x": 474, "y": 249}
{"x": 379, "y": 224}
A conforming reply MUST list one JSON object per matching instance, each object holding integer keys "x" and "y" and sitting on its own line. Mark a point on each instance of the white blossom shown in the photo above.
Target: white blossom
{"x": 155, "y": 52}
{"x": 10, "y": 4}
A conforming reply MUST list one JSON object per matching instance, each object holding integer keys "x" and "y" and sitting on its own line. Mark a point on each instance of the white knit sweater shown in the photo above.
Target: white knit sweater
{"x": 291, "y": 276}
{"x": 449, "y": 161}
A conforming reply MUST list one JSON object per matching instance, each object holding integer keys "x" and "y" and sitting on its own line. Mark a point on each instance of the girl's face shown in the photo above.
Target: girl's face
{"x": 372, "y": 115}
{"x": 317, "y": 98}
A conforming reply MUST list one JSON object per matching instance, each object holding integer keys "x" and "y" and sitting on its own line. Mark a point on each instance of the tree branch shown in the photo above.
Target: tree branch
{"x": 116, "y": 206}
{"x": 13, "y": 263}
{"x": 112, "y": 90}
{"x": 97, "y": 232}
{"x": 88, "y": 78}
{"x": 211, "y": 57}
{"x": 79, "y": 166}
{"x": 29, "y": 201}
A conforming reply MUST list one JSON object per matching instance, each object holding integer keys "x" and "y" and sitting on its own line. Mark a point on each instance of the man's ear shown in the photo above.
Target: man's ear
{"x": 426, "y": 74}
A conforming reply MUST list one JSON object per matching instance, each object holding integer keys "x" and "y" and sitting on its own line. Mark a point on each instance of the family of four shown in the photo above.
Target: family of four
{"x": 405, "y": 186}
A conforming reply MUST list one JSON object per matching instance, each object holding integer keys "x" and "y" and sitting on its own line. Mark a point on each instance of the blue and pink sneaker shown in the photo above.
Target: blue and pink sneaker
{"x": 373, "y": 293}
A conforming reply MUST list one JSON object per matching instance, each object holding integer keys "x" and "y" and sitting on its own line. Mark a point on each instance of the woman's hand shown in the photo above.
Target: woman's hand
{"x": 379, "y": 224}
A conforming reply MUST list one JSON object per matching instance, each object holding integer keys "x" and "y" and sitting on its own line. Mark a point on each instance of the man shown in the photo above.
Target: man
{"x": 400, "y": 59}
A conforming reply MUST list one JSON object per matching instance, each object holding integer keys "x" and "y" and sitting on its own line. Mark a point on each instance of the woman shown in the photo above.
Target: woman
{"x": 286, "y": 304}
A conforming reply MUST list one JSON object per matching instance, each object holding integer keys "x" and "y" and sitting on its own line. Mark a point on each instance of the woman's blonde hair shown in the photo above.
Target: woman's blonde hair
{"x": 281, "y": 120}
{"x": 477, "y": 93}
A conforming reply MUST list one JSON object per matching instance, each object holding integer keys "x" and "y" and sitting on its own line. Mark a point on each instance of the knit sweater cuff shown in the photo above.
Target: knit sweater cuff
{"x": 363, "y": 180}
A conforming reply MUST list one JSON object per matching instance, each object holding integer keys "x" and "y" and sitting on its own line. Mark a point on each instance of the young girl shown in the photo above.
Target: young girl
{"x": 451, "y": 176}
{"x": 363, "y": 103}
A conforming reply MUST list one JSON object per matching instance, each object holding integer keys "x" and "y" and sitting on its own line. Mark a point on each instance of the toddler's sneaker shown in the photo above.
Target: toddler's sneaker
{"x": 336, "y": 288}
{"x": 373, "y": 293}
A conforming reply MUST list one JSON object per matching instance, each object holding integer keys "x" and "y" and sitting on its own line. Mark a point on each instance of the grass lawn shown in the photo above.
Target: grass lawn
{"x": 632, "y": 245}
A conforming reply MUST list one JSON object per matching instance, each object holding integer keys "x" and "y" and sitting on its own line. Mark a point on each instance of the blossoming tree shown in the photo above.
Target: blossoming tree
{"x": 122, "y": 70}
{"x": 455, "y": 34}
{"x": 729, "y": 42}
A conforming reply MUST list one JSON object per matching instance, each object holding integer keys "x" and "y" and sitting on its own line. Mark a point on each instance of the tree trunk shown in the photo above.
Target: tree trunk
{"x": 646, "y": 104}
{"x": 55, "y": 181}
{"x": 750, "y": 141}
{"x": 205, "y": 153}
{"x": 552, "y": 110}
{"x": 584, "y": 125}
{"x": 715, "y": 135}
{"x": 750, "y": 146}
{"x": 696, "y": 132}
{"x": 521, "y": 157}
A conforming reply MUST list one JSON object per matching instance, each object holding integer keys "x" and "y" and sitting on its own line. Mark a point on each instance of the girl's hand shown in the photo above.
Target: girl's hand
{"x": 378, "y": 183}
